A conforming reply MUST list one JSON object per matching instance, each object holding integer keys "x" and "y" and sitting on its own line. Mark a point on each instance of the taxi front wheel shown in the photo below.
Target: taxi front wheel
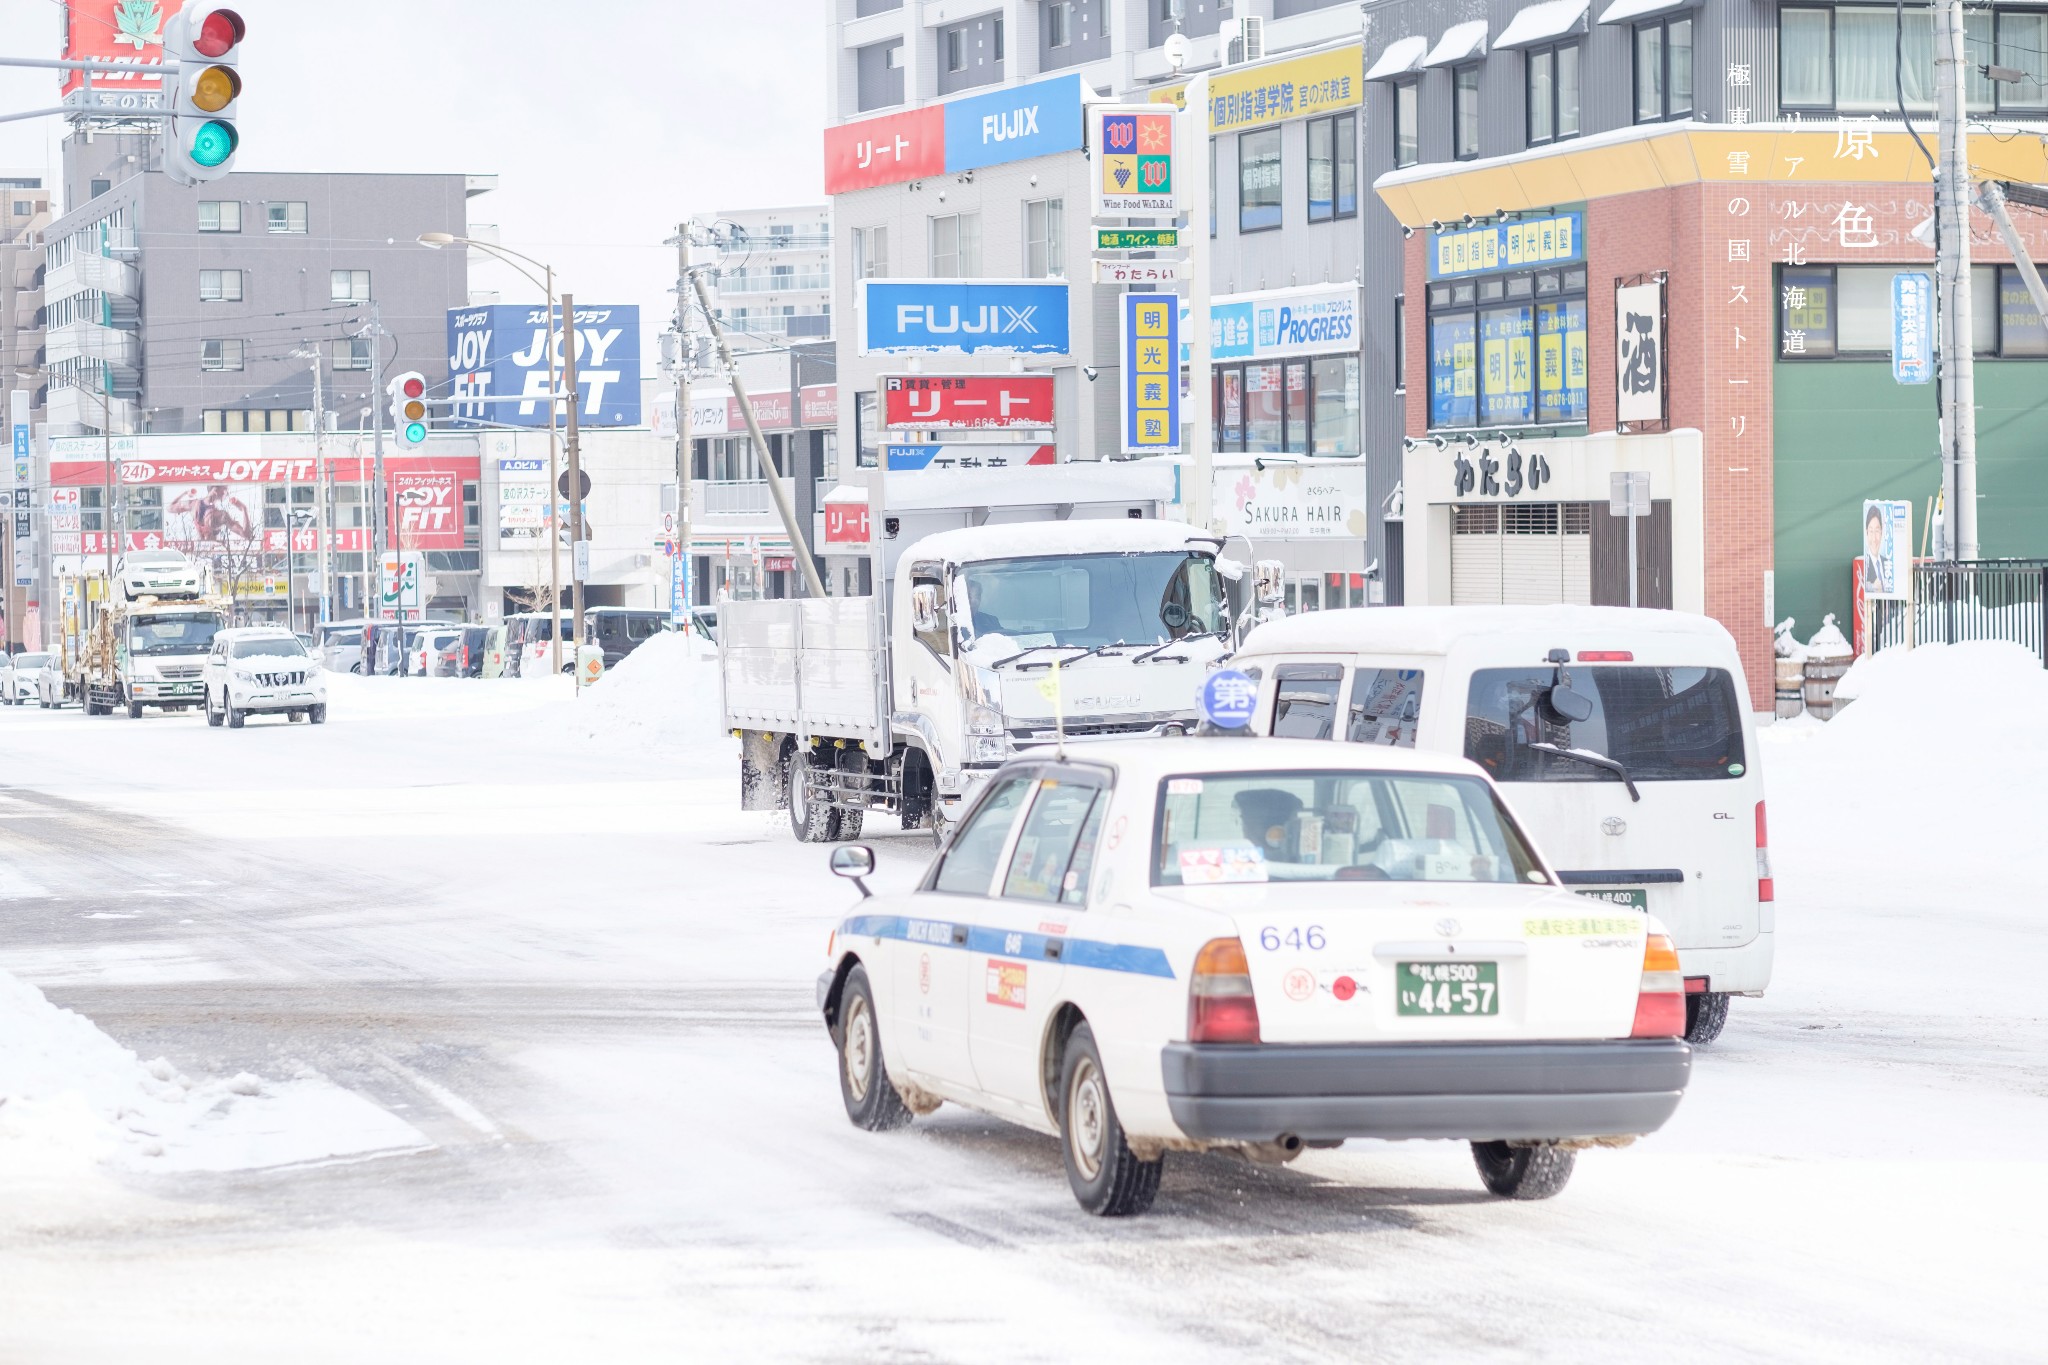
{"x": 871, "y": 1101}
{"x": 1522, "y": 1172}
{"x": 1107, "y": 1178}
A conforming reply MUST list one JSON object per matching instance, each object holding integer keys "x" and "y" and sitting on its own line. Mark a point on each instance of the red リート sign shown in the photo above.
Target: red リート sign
{"x": 846, "y": 523}
{"x": 885, "y": 151}
{"x": 932, "y": 402}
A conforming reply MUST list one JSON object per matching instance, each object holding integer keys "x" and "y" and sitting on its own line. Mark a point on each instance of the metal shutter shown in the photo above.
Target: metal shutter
{"x": 1578, "y": 554}
{"x": 1475, "y": 556}
{"x": 1532, "y": 555}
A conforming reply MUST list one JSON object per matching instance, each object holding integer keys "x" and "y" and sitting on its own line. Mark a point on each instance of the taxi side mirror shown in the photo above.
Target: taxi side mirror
{"x": 854, "y": 861}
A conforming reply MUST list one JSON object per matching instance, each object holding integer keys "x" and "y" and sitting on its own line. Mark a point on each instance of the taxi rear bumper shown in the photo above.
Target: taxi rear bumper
{"x": 1480, "y": 1092}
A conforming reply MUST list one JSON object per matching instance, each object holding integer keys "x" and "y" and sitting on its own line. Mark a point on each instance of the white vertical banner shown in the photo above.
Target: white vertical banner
{"x": 1639, "y": 352}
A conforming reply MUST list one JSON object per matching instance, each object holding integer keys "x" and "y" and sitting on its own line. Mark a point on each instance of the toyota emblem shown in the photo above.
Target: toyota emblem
{"x": 1449, "y": 928}
{"x": 1614, "y": 824}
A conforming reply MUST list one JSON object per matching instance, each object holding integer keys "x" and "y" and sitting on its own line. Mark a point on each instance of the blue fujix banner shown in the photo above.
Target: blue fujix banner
{"x": 1022, "y": 316}
{"x": 502, "y": 351}
{"x": 1015, "y": 124}
{"x": 1912, "y": 327}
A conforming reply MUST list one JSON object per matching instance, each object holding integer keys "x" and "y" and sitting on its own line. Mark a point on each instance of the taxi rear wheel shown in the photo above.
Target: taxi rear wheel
{"x": 1522, "y": 1172}
{"x": 871, "y": 1100}
{"x": 1107, "y": 1178}
{"x": 1706, "y": 1014}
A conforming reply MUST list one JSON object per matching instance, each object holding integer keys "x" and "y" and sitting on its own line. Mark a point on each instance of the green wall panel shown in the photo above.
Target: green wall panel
{"x": 1844, "y": 431}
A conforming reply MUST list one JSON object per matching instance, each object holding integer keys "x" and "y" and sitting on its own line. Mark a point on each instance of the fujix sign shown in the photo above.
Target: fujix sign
{"x": 1040, "y": 119}
{"x": 966, "y": 402}
{"x": 1010, "y": 316}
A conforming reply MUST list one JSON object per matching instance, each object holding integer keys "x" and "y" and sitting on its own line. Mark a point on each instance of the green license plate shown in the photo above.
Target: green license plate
{"x": 1634, "y": 897}
{"x": 1446, "y": 988}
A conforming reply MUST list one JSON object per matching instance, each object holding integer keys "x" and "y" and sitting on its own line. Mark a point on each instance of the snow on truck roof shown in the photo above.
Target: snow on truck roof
{"x": 1104, "y": 535}
{"x": 1439, "y": 630}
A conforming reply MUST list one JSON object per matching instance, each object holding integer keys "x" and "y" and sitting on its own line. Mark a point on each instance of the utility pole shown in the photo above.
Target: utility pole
{"x": 1201, "y": 364}
{"x": 576, "y": 551}
{"x": 377, "y": 513}
{"x": 1952, "y": 209}
{"x": 684, "y": 454}
{"x": 555, "y": 330}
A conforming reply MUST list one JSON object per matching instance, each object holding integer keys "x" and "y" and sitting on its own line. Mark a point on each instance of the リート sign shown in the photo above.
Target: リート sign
{"x": 1151, "y": 373}
{"x": 966, "y": 402}
{"x": 886, "y": 150}
{"x": 909, "y": 316}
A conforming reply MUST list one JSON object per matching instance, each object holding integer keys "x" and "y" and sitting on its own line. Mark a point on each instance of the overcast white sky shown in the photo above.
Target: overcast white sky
{"x": 606, "y": 121}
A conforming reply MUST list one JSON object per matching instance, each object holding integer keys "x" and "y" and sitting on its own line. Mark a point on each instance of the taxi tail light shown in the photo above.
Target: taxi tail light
{"x": 1766, "y": 885}
{"x": 1221, "y": 1008}
{"x": 1660, "y": 999}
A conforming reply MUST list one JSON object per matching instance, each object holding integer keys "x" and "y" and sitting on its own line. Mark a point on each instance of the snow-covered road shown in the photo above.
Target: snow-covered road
{"x": 539, "y": 937}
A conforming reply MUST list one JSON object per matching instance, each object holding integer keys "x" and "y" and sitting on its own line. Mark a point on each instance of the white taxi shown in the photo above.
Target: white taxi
{"x": 1262, "y": 945}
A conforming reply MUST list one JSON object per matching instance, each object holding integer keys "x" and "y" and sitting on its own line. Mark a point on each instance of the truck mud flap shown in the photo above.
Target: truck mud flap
{"x": 761, "y": 770}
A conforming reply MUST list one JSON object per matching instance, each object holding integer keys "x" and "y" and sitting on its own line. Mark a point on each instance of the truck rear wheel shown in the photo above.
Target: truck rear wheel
{"x": 135, "y": 710}
{"x": 813, "y": 822}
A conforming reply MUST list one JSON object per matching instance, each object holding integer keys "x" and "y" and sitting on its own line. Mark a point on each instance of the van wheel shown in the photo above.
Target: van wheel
{"x": 1522, "y": 1172}
{"x": 1706, "y": 1014}
{"x": 871, "y": 1099}
{"x": 1107, "y": 1178}
{"x": 813, "y": 822}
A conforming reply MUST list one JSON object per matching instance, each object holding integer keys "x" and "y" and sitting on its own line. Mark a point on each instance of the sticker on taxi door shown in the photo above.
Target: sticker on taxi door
{"x": 1006, "y": 983}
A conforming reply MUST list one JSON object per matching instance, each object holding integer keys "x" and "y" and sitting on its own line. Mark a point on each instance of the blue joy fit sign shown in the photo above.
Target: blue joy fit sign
{"x": 1023, "y": 121}
{"x": 1026, "y": 317}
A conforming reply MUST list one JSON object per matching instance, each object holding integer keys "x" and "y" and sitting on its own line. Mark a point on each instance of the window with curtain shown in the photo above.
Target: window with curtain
{"x": 1043, "y": 254}
{"x": 1407, "y": 143}
{"x": 1663, "y": 72}
{"x": 1332, "y": 167}
{"x": 956, "y": 246}
{"x": 1465, "y": 112}
{"x": 1846, "y": 59}
{"x": 1258, "y": 180}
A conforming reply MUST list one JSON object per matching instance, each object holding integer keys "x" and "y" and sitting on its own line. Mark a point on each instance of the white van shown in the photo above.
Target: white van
{"x": 1623, "y": 739}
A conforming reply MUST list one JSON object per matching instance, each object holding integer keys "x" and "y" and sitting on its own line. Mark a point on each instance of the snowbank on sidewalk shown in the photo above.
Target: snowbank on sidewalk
{"x": 70, "y": 1094}
{"x": 662, "y": 695}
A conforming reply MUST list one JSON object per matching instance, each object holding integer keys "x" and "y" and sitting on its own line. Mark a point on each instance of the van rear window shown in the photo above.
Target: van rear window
{"x": 1662, "y": 724}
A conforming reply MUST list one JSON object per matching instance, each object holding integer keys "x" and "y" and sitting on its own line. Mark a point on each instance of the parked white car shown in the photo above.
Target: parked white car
{"x": 158, "y": 573}
{"x": 50, "y": 684}
{"x": 1254, "y": 944}
{"x": 18, "y": 676}
{"x": 1623, "y": 737}
{"x": 259, "y": 670}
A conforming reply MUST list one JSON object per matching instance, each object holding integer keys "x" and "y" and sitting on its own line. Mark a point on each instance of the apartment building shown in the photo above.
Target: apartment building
{"x": 774, "y": 281}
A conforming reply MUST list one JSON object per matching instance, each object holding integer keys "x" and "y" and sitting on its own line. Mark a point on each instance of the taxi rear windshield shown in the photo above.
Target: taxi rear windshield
{"x": 1662, "y": 724}
{"x": 1326, "y": 826}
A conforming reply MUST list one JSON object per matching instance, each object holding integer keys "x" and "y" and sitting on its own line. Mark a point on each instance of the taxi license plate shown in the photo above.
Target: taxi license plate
{"x": 1446, "y": 988}
{"x": 1634, "y": 897}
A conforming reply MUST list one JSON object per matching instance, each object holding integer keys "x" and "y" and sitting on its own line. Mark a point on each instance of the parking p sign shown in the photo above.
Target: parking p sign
{"x": 1228, "y": 698}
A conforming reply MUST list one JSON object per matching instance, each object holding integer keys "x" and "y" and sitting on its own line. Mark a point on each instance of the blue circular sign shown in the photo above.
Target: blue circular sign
{"x": 1228, "y": 699}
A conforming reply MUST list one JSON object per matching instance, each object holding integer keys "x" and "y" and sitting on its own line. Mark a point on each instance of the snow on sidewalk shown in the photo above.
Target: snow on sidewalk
{"x": 70, "y": 1095}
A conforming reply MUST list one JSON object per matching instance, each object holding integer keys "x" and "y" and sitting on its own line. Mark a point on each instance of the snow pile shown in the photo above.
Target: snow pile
{"x": 69, "y": 1093}
{"x": 352, "y": 697}
{"x": 1934, "y": 780}
{"x": 663, "y": 695}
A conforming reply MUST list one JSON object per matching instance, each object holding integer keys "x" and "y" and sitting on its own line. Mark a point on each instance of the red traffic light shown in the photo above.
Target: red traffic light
{"x": 218, "y": 32}
{"x": 415, "y": 386}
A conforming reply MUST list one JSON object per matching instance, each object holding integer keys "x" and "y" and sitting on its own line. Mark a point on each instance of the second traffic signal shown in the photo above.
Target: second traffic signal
{"x": 202, "y": 47}
{"x": 409, "y": 408}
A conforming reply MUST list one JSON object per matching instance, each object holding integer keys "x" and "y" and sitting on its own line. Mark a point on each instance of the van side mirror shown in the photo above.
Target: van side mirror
{"x": 854, "y": 861}
{"x": 1272, "y": 581}
{"x": 1572, "y": 706}
{"x": 924, "y": 607}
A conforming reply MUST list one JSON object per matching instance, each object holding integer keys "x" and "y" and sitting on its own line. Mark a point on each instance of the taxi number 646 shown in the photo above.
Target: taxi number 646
{"x": 1298, "y": 938}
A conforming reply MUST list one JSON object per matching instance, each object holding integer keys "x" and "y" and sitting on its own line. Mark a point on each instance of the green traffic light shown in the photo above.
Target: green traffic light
{"x": 213, "y": 144}
{"x": 415, "y": 432}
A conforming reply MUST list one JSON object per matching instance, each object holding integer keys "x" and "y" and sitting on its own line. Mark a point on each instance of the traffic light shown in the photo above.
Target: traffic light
{"x": 409, "y": 409}
{"x": 202, "y": 47}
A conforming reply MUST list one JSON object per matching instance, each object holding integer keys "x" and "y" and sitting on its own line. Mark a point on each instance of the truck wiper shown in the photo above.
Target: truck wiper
{"x": 1085, "y": 653}
{"x": 1601, "y": 761}
{"x": 1156, "y": 653}
{"x": 1010, "y": 659}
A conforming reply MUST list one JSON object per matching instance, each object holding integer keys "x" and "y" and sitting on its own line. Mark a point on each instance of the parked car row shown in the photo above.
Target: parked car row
{"x": 522, "y": 645}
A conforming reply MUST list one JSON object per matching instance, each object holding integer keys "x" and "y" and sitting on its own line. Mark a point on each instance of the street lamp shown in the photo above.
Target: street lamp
{"x": 546, "y": 283}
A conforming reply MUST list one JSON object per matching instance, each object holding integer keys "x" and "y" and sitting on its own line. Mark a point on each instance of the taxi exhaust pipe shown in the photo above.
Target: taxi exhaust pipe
{"x": 1278, "y": 1152}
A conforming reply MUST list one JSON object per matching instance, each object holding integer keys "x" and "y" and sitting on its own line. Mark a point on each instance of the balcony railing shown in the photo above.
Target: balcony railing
{"x": 757, "y": 283}
{"x": 796, "y": 241}
{"x": 743, "y": 497}
{"x": 90, "y": 341}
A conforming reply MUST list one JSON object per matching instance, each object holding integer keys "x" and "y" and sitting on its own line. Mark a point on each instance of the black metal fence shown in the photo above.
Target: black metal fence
{"x": 1972, "y": 599}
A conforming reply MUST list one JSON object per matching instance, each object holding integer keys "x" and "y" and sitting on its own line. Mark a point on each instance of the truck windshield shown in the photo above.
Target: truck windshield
{"x": 1661, "y": 724}
{"x": 1088, "y": 600}
{"x": 191, "y": 634}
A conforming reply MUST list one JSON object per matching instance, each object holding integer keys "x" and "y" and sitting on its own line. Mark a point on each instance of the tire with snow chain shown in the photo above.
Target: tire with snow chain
{"x": 813, "y": 822}
{"x": 1107, "y": 1178}
{"x": 1522, "y": 1172}
{"x": 1706, "y": 1014}
{"x": 871, "y": 1100}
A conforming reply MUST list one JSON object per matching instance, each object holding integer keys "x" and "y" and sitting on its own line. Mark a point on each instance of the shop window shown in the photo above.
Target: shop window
{"x": 1407, "y": 140}
{"x": 1289, "y": 407}
{"x": 1332, "y": 168}
{"x": 1509, "y": 350}
{"x": 1825, "y": 312}
{"x": 1553, "y": 93}
{"x": 1465, "y": 112}
{"x": 1335, "y": 429}
{"x": 1663, "y": 70}
{"x": 1846, "y": 59}
{"x": 1263, "y": 416}
{"x": 1044, "y": 253}
{"x": 1258, "y": 180}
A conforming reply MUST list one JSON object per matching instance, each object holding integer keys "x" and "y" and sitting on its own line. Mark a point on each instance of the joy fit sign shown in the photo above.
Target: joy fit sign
{"x": 426, "y": 509}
